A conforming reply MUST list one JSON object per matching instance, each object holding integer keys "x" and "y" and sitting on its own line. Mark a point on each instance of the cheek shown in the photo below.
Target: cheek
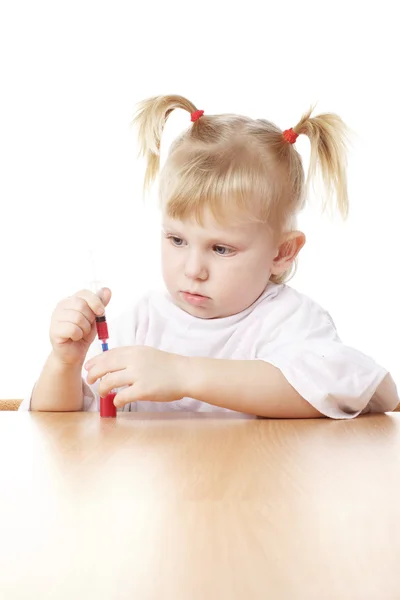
{"x": 169, "y": 260}
{"x": 245, "y": 277}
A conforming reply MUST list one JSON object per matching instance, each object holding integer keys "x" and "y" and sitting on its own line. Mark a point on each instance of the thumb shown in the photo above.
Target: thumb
{"x": 105, "y": 295}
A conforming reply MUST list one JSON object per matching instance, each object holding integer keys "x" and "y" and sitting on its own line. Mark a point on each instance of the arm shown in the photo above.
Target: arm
{"x": 148, "y": 374}
{"x": 59, "y": 387}
{"x": 72, "y": 330}
{"x": 249, "y": 386}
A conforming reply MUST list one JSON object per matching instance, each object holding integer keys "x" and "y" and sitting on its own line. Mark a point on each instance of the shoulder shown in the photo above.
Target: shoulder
{"x": 286, "y": 310}
{"x": 288, "y": 299}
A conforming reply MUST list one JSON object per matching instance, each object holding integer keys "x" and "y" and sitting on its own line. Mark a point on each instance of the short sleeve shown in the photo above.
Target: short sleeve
{"x": 337, "y": 380}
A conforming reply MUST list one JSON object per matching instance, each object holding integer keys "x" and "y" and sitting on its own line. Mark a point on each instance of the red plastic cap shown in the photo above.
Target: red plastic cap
{"x": 107, "y": 408}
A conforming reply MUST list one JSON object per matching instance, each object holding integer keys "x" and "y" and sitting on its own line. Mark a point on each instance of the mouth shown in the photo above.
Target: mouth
{"x": 196, "y": 299}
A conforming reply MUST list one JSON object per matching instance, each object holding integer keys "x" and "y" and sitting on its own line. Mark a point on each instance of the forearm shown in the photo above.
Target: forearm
{"x": 59, "y": 387}
{"x": 248, "y": 386}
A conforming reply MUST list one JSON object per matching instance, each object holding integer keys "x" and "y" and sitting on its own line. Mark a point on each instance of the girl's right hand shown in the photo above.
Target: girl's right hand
{"x": 73, "y": 324}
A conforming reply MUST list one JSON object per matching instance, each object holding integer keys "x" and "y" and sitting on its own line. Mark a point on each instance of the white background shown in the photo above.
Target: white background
{"x": 71, "y": 74}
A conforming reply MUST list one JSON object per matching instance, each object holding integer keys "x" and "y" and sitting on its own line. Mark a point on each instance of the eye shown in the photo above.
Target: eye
{"x": 176, "y": 241}
{"x": 222, "y": 250}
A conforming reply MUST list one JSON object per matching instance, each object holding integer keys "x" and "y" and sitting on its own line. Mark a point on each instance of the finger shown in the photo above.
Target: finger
{"x": 88, "y": 303}
{"x": 85, "y": 299}
{"x": 75, "y": 317}
{"x": 115, "y": 380}
{"x": 67, "y": 331}
{"x": 105, "y": 295}
{"x": 79, "y": 304}
{"x": 115, "y": 359}
{"x": 129, "y": 394}
{"x": 102, "y": 367}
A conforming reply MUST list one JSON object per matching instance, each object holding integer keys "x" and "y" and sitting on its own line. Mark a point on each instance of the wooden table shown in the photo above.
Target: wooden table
{"x": 198, "y": 507}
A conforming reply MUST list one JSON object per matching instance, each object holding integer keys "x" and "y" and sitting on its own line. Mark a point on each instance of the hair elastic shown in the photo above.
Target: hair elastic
{"x": 290, "y": 135}
{"x": 195, "y": 116}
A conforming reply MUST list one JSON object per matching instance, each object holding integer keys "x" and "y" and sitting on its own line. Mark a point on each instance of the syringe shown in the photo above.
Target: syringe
{"x": 107, "y": 407}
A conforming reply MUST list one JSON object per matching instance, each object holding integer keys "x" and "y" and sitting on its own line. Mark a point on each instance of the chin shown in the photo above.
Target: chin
{"x": 201, "y": 313}
{"x": 195, "y": 311}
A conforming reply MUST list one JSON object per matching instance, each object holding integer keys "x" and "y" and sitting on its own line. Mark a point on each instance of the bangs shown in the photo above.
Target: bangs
{"x": 232, "y": 188}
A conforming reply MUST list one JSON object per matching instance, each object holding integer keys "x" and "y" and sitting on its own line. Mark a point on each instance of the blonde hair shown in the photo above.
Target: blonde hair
{"x": 241, "y": 167}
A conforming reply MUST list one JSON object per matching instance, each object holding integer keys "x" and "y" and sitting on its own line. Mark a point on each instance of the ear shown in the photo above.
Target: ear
{"x": 288, "y": 249}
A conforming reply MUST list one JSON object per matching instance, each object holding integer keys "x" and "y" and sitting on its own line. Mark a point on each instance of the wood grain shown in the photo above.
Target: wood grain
{"x": 198, "y": 506}
{"x": 10, "y": 404}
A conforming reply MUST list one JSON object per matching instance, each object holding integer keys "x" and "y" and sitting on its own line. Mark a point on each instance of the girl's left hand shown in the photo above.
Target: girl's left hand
{"x": 151, "y": 374}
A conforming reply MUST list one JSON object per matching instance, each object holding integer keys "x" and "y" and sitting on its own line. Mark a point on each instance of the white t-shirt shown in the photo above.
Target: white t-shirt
{"x": 283, "y": 327}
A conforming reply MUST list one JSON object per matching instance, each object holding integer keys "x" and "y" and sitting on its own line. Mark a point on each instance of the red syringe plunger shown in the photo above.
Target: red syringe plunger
{"x": 102, "y": 329}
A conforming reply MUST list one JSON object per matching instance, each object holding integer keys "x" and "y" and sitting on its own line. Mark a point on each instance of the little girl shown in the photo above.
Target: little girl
{"x": 228, "y": 334}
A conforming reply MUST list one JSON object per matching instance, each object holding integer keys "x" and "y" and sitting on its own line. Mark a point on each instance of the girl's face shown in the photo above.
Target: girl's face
{"x": 213, "y": 271}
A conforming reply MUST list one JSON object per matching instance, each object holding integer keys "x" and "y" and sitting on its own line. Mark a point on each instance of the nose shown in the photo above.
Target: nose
{"x": 195, "y": 267}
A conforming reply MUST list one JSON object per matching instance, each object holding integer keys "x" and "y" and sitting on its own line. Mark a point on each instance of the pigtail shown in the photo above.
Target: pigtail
{"x": 328, "y": 139}
{"x": 150, "y": 117}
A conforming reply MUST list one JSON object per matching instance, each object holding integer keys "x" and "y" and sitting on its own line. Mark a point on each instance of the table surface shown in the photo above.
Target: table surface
{"x": 198, "y": 506}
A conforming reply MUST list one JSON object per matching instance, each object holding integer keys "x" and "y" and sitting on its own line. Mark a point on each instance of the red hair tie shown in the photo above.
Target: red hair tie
{"x": 195, "y": 116}
{"x": 290, "y": 135}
